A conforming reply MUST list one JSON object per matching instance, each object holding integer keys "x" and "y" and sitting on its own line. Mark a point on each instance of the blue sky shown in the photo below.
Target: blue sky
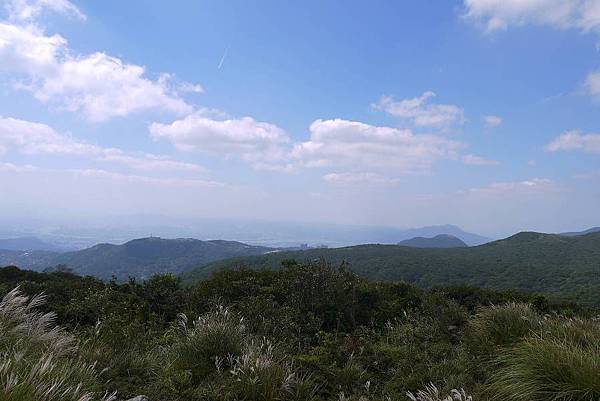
{"x": 481, "y": 113}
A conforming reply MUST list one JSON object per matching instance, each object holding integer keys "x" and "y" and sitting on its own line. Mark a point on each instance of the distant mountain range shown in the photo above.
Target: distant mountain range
{"x": 577, "y": 233}
{"x": 563, "y": 265}
{"x": 139, "y": 258}
{"x": 253, "y": 232}
{"x": 439, "y": 241}
{"x": 567, "y": 267}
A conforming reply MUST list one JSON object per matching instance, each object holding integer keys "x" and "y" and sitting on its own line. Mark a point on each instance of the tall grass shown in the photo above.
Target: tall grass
{"x": 431, "y": 393}
{"x": 210, "y": 343}
{"x": 38, "y": 360}
{"x": 560, "y": 362}
{"x": 500, "y": 326}
{"x": 262, "y": 375}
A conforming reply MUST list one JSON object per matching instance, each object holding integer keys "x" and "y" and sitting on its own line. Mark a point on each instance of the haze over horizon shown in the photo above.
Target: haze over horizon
{"x": 482, "y": 114}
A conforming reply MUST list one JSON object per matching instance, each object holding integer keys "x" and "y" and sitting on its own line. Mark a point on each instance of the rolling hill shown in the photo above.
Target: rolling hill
{"x": 439, "y": 241}
{"x": 140, "y": 258}
{"x": 561, "y": 266}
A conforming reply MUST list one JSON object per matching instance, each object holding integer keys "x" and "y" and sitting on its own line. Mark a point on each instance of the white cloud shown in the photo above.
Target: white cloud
{"x": 14, "y": 168}
{"x": 359, "y": 179}
{"x": 592, "y": 84}
{"x": 574, "y": 140}
{"x": 177, "y": 182}
{"x": 34, "y": 138}
{"x": 420, "y": 113}
{"x": 563, "y": 14}
{"x": 532, "y": 186}
{"x": 492, "y": 121}
{"x": 244, "y": 138}
{"x": 98, "y": 85}
{"x": 357, "y": 145}
{"x": 28, "y": 10}
{"x": 100, "y": 174}
{"x": 275, "y": 167}
{"x": 474, "y": 160}
{"x": 189, "y": 87}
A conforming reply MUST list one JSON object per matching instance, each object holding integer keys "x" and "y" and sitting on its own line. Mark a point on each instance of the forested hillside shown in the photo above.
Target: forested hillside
{"x": 140, "y": 258}
{"x": 563, "y": 267}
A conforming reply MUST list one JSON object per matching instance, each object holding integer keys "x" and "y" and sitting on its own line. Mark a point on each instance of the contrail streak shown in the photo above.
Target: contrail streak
{"x": 223, "y": 58}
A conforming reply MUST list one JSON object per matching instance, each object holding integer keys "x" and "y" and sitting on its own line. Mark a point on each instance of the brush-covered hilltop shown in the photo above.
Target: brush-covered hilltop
{"x": 563, "y": 266}
{"x": 311, "y": 332}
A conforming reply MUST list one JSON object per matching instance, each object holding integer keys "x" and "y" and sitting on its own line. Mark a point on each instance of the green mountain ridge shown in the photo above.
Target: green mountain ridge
{"x": 561, "y": 266}
{"x": 140, "y": 258}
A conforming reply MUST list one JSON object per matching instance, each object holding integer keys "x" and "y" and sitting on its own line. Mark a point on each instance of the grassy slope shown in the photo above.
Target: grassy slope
{"x": 565, "y": 267}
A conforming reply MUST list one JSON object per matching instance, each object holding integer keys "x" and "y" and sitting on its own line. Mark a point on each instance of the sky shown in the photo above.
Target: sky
{"x": 479, "y": 113}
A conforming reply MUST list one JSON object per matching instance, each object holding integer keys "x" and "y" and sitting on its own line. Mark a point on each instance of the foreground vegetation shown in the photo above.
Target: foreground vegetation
{"x": 303, "y": 332}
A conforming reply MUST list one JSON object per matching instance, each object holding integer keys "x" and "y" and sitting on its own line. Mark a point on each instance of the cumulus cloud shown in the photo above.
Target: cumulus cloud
{"x": 574, "y": 140}
{"x": 492, "y": 121}
{"x": 357, "y": 145}
{"x": 245, "y": 138}
{"x": 35, "y": 138}
{"x": 98, "y": 85}
{"x": 474, "y": 160}
{"x": 564, "y": 14}
{"x": 420, "y": 112}
{"x": 28, "y": 10}
{"x": 359, "y": 179}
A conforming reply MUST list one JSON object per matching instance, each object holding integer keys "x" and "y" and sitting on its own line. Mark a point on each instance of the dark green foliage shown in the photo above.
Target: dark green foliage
{"x": 319, "y": 332}
{"x": 563, "y": 268}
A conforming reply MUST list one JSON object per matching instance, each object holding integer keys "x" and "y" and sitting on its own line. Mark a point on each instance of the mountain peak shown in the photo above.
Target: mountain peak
{"x": 438, "y": 241}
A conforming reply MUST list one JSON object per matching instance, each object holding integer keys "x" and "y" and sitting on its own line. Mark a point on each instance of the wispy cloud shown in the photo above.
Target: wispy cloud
{"x": 575, "y": 140}
{"x": 361, "y": 178}
{"x": 492, "y": 121}
{"x": 420, "y": 112}
{"x": 474, "y": 160}
{"x": 33, "y": 138}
